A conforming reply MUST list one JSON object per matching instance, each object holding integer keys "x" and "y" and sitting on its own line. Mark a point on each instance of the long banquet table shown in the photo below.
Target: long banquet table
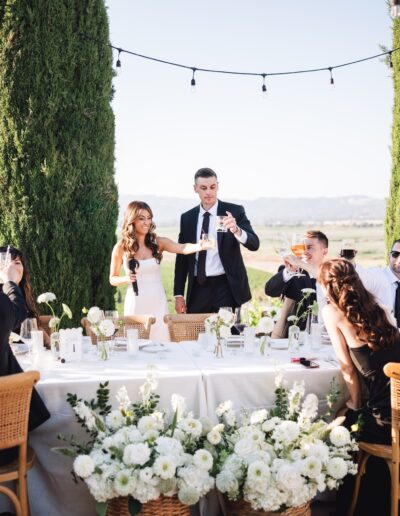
{"x": 248, "y": 380}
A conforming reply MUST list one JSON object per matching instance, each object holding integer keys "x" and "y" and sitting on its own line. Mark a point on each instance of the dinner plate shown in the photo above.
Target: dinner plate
{"x": 153, "y": 347}
{"x": 144, "y": 342}
{"x": 280, "y": 343}
{"x": 235, "y": 341}
{"x": 20, "y": 348}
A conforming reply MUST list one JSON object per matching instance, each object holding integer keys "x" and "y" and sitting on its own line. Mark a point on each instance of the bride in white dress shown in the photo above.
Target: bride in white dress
{"x": 139, "y": 241}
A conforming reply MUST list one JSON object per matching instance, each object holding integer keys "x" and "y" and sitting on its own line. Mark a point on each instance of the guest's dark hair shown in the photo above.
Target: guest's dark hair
{"x": 313, "y": 233}
{"x": 346, "y": 290}
{"x": 394, "y": 243}
{"x": 25, "y": 283}
{"x": 129, "y": 240}
{"x": 205, "y": 172}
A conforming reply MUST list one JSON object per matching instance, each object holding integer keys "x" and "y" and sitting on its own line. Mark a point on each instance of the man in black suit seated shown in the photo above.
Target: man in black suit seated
{"x": 12, "y": 312}
{"x": 217, "y": 277}
{"x": 286, "y": 284}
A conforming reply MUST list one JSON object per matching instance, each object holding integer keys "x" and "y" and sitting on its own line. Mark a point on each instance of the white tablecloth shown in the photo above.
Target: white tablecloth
{"x": 204, "y": 381}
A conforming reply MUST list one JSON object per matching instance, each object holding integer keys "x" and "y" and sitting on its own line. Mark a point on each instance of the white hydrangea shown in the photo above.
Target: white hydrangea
{"x": 270, "y": 424}
{"x": 286, "y": 432}
{"x": 83, "y": 466}
{"x": 136, "y": 454}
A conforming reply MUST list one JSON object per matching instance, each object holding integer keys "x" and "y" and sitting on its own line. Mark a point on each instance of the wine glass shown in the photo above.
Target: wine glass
{"x": 5, "y": 260}
{"x": 348, "y": 249}
{"x": 241, "y": 319}
{"x": 281, "y": 244}
{"x": 298, "y": 245}
{"x": 27, "y": 327}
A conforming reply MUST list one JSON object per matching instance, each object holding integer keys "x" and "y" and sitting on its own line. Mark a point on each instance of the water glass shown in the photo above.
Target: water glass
{"x": 202, "y": 341}
{"x": 219, "y": 225}
{"x": 294, "y": 339}
{"x": 27, "y": 327}
{"x": 315, "y": 336}
{"x": 37, "y": 341}
{"x": 249, "y": 336}
{"x": 132, "y": 335}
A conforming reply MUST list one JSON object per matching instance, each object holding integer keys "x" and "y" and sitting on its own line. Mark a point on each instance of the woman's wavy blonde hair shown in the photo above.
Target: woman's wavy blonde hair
{"x": 346, "y": 290}
{"x": 129, "y": 241}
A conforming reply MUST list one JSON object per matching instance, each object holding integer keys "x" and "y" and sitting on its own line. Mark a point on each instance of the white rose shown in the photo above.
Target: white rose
{"x": 226, "y": 316}
{"x": 136, "y": 454}
{"x": 288, "y": 477}
{"x": 244, "y": 447}
{"x": 339, "y": 436}
{"x": 83, "y": 466}
{"x": 107, "y": 327}
{"x": 265, "y": 325}
{"x": 168, "y": 446}
{"x": 47, "y": 297}
{"x": 94, "y": 315}
{"x": 337, "y": 468}
{"x": 225, "y": 332}
{"x": 214, "y": 437}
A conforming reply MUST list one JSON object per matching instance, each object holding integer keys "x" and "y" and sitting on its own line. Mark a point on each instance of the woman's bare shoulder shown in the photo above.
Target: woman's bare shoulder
{"x": 118, "y": 249}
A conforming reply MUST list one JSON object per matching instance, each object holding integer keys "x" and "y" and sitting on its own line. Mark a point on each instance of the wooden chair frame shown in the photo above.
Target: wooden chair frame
{"x": 141, "y": 322}
{"x": 15, "y": 398}
{"x": 185, "y": 326}
{"x": 389, "y": 453}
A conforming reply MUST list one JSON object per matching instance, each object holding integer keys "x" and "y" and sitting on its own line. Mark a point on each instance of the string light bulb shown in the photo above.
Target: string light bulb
{"x": 118, "y": 63}
{"x": 330, "y": 71}
{"x": 193, "y": 81}
{"x": 264, "y": 87}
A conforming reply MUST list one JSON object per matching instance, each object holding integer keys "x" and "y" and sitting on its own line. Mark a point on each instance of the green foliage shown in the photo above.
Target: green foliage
{"x": 59, "y": 198}
{"x": 392, "y": 222}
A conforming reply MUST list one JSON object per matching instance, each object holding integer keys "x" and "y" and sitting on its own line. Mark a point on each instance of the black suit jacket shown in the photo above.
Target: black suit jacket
{"x": 228, "y": 248}
{"x": 277, "y": 287}
{"x": 12, "y": 313}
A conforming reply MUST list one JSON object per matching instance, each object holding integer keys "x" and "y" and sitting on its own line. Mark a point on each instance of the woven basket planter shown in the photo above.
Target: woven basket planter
{"x": 163, "y": 506}
{"x": 242, "y": 508}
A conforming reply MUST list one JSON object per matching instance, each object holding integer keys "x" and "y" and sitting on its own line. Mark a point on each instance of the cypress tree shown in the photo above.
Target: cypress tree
{"x": 392, "y": 222}
{"x": 58, "y": 198}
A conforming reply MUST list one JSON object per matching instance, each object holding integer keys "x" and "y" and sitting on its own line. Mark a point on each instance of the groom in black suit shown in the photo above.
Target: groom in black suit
{"x": 217, "y": 277}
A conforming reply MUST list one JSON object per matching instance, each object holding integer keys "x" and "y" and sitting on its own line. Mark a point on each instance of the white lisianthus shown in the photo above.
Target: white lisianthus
{"x": 83, "y": 466}
{"x": 107, "y": 328}
{"x": 136, "y": 454}
{"x": 339, "y": 436}
{"x": 223, "y": 407}
{"x": 265, "y": 325}
{"x": 226, "y": 316}
{"x": 124, "y": 482}
{"x": 214, "y": 437}
{"x": 115, "y": 419}
{"x": 178, "y": 403}
{"x": 164, "y": 467}
{"x": 94, "y": 315}
{"x": 337, "y": 468}
{"x": 54, "y": 321}
{"x": 47, "y": 297}
{"x": 203, "y": 459}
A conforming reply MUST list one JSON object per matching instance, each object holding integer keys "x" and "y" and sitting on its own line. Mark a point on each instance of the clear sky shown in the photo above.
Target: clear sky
{"x": 306, "y": 139}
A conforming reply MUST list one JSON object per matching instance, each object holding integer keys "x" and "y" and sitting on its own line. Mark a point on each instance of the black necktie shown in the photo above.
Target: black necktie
{"x": 201, "y": 262}
{"x": 397, "y": 304}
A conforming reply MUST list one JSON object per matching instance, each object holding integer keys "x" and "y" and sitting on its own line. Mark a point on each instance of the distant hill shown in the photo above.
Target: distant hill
{"x": 267, "y": 211}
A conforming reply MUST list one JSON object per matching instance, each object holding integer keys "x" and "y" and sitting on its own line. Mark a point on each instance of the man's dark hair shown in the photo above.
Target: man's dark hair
{"x": 318, "y": 235}
{"x": 205, "y": 172}
{"x": 394, "y": 243}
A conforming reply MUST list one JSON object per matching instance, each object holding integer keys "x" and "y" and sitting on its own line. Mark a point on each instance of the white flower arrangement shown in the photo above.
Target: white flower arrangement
{"x": 220, "y": 324}
{"x": 139, "y": 452}
{"x": 102, "y": 328}
{"x": 282, "y": 457}
{"x": 297, "y": 317}
{"x": 55, "y": 321}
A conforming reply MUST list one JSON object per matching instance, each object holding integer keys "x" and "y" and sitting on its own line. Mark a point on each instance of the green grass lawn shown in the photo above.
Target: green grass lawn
{"x": 257, "y": 279}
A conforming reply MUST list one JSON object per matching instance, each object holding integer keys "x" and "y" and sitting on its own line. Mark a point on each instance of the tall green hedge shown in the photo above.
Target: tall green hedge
{"x": 58, "y": 199}
{"x": 392, "y": 222}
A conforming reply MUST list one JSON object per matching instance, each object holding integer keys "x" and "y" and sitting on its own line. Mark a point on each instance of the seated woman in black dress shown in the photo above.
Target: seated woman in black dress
{"x": 364, "y": 341}
{"x": 12, "y": 312}
{"x": 24, "y": 283}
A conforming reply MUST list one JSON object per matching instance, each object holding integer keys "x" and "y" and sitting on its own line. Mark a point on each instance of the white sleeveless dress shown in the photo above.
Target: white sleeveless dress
{"x": 151, "y": 299}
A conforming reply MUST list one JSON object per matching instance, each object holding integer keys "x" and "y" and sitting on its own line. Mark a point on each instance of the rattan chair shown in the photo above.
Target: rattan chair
{"x": 140, "y": 322}
{"x": 43, "y": 324}
{"x": 185, "y": 326}
{"x": 15, "y": 398}
{"x": 389, "y": 453}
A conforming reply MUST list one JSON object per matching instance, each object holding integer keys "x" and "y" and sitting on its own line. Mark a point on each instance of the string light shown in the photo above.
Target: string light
{"x": 330, "y": 71}
{"x": 193, "y": 81}
{"x": 395, "y": 5}
{"x": 118, "y": 63}
{"x": 264, "y": 87}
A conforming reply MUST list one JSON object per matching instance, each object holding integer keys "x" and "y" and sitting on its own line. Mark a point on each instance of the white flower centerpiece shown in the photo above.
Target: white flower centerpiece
{"x": 220, "y": 324}
{"x": 281, "y": 458}
{"x": 54, "y": 324}
{"x": 102, "y": 328}
{"x": 138, "y": 452}
{"x": 294, "y": 329}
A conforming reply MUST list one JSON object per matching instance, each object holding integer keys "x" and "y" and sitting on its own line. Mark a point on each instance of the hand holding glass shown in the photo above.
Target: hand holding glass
{"x": 207, "y": 242}
{"x": 220, "y": 226}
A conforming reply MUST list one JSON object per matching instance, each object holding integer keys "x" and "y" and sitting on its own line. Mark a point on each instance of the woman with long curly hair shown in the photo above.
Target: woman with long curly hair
{"x": 140, "y": 242}
{"x": 364, "y": 340}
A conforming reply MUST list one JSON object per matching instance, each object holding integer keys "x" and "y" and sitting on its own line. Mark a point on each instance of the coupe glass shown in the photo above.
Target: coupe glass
{"x": 27, "y": 327}
{"x": 298, "y": 245}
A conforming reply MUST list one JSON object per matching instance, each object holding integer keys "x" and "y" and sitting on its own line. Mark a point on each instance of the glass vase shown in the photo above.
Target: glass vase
{"x": 103, "y": 349}
{"x": 294, "y": 339}
{"x": 55, "y": 344}
{"x": 218, "y": 353}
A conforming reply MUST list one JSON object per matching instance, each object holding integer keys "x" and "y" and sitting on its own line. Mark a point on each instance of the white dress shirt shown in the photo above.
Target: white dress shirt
{"x": 381, "y": 282}
{"x": 214, "y": 265}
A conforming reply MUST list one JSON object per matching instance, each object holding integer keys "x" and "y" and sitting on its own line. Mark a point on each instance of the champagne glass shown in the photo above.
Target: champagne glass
{"x": 27, "y": 327}
{"x": 281, "y": 244}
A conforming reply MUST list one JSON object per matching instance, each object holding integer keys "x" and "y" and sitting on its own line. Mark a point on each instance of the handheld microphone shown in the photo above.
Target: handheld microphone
{"x": 133, "y": 264}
